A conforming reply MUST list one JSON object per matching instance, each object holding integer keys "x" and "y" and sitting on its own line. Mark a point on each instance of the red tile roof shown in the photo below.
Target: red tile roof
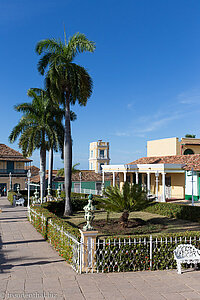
{"x": 189, "y": 161}
{"x": 86, "y": 176}
{"x": 33, "y": 169}
{"x": 7, "y": 153}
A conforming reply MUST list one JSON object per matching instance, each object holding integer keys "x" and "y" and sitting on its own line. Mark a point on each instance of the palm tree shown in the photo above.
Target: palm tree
{"x": 38, "y": 128}
{"x": 61, "y": 171}
{"x": 73, "y": 83}
{"x": 73, "y": 117}
{"x": 131, "y": 198}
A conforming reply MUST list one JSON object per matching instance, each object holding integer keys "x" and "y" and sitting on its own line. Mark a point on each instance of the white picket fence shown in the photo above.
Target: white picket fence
{"x": 64, "y": 236}
{"x": 118, "y": 255}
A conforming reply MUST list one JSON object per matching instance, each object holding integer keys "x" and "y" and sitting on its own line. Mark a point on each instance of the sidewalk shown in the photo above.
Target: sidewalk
{"x": 31, "y": 269}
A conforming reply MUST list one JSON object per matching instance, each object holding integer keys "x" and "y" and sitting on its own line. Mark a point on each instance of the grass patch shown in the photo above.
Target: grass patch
{"x": 152, "y": 224}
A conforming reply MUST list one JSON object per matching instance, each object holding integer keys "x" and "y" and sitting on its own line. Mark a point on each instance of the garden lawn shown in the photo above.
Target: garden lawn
{"x": 154, "y": 224}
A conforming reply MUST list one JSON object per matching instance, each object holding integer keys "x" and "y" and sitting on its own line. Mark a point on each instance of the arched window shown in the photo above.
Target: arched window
{"x": 188, "y": 152}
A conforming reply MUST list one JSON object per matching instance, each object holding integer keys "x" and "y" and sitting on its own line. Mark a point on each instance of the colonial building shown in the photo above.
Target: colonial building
{"x": 98, "y": 155}
{"x": 172, "y": 146}
{"x": 168, "y": 171}
{"x": 13, "y": 168}
{"x": 84, "y": 181}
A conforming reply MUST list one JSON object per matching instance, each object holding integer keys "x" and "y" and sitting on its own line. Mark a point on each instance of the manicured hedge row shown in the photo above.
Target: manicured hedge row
{"x": 172, "y": 210}
{"x": 76, "y": 201}
{"x": 50, "y": 226}
{"x": 133, "y": 254}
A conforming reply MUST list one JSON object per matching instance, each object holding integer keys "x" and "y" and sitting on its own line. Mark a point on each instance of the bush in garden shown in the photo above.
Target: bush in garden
{"x": 131, "y": 198}
{"x": 54, "y": 234}
{"x": 133, "y": 254}
{"x": 173, "y": 210}
{"x": 11, "y": 195}
{"x": 114, "y": 254}
{"x": 76, "y": 201}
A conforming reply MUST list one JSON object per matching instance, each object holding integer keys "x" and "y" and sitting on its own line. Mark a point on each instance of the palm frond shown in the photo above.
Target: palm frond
{"x": 78, "y": 43}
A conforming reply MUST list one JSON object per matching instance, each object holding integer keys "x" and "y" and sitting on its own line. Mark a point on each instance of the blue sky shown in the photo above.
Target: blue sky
{"x": 146, "y": 69}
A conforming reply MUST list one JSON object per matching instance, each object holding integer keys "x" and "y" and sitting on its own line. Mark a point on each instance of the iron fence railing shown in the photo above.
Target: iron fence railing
{"x": 13, "y": 171}
{"x": 114, "y": 254}
{"x": 86, "y": 191}
{"x": 64, "y": 240}
{"x": 134, "y": 254}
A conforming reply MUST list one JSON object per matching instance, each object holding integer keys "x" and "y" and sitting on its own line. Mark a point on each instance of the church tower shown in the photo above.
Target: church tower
{"x": 98, "y": 155}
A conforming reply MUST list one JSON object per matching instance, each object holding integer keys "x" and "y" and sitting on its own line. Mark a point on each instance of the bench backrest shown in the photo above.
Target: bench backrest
{"x": 186, "y": 250}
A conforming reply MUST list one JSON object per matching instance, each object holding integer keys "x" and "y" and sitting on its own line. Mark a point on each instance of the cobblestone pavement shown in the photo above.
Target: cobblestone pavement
{"x": 31, "y": 269}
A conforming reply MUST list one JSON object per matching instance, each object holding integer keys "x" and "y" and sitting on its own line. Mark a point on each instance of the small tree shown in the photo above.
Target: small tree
{"x": 190, "y": 136}
{"x": 131, "y": 198}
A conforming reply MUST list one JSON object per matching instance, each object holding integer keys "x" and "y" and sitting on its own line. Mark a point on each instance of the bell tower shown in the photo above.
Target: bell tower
{"x": 98, "y": 155}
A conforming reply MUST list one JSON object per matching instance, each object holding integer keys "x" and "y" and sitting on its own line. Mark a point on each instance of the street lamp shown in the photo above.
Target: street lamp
{"x": 29, "y": 177}
{"x": 41, "y": 185}
{"x": 10, "y": 176}
{"x": 80, "y": 176}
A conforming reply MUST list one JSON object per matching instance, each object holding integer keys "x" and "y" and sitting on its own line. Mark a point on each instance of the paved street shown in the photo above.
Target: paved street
{"x": 31, "y": 269}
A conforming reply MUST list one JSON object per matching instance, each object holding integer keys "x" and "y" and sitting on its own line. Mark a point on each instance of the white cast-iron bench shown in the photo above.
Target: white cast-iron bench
{"x": 186, "y": 253}
{"x": 19, "y": 202}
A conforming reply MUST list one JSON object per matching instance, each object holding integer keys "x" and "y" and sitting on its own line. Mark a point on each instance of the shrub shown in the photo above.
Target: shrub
{"x": 131, "y": 198}
{"x": 10, "y": 196}
{"x": 172, "y": 210}
{"x": 58, "y": 207}
{"x": 50, "y": 226}
{"x": 133, "y": 254}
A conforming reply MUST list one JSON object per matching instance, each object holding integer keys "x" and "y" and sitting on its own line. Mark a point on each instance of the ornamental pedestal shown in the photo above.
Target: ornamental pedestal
{"x": 88, "y": 250}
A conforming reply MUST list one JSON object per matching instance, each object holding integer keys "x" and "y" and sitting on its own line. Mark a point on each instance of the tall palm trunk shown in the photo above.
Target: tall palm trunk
{"x": 42, "y": 169}
{"x": 50, "y": 167}
{"x": 67, "y": 158}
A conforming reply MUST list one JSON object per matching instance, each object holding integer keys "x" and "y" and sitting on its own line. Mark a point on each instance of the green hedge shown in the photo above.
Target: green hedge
{"x": 114, "y": 254}
{"x": 10, "y": 196}
{"x": 59, "y": 241}
{"x": 76, "y": 202}
{"x": 133, "y": 254}
{"x": 172, "y": 210}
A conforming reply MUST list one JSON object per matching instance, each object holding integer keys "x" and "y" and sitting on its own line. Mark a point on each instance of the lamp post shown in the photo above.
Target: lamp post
{"x": 10, "y": 176}
{"x": 80, "y": 176}
{"x": 29, "y": 177}
{"x": 41, "y": 186}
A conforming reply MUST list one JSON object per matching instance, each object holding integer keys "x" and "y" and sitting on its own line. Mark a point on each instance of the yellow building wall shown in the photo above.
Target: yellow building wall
{"x": 163, "y": 147}
{"x": 94, "y": 158}
{"x": 18, "y": 180}
{"x": 3, "y": 165}
{"x": 194, "y": 148}
{"x": 19, "y": 165}
{"x": 177, "y": 185}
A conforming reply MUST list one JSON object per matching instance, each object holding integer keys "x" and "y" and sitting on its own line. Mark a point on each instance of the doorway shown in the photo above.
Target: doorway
{"x": 168, "y": 187}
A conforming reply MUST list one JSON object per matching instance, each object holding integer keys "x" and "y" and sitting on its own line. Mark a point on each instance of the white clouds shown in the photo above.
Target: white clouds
{"x": 121, "y": 133}
{"x": 150, "y": 123}
{"x": 189, "y": 97}
{"x": 130, "y": 105}
{"x": 163, "y": 117}
{"x": 156, "y": 124}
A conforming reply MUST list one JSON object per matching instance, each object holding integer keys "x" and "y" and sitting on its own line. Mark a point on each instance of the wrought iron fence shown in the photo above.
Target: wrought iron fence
{"x": 125, "y": 255}
{"x": 112, "y": 255}
{"x": 66, "y": 244}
